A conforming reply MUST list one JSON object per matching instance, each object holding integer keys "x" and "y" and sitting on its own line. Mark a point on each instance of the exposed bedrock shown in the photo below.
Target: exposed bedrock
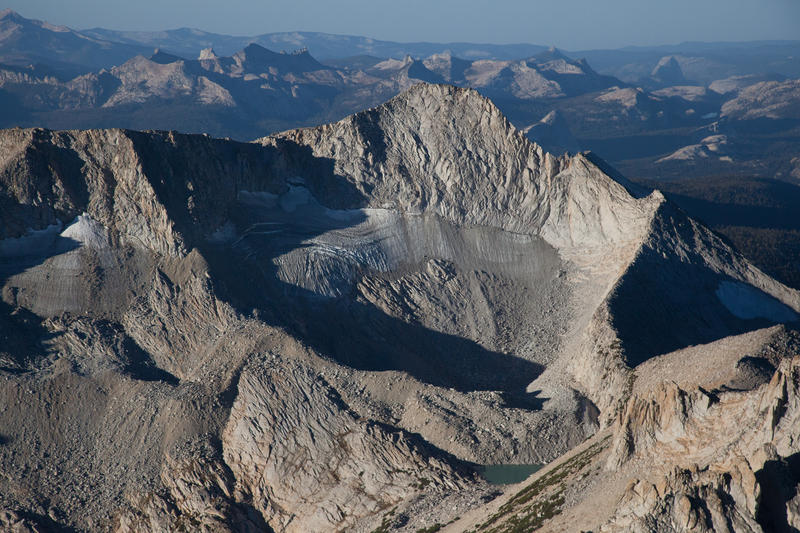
{"x": 317, "y": 328}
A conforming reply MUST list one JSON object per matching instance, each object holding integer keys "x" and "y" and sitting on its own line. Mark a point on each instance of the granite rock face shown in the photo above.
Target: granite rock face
{"x": 736, "y": 450}
{"x": 400, "y": 157}
{"x": 327, "y": 328}
{"x": 309, "y": 462}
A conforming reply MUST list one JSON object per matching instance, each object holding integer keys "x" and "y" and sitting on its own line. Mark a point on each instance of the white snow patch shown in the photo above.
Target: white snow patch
{"x": 747, "y": 302}
{"x": 88, "y": 232}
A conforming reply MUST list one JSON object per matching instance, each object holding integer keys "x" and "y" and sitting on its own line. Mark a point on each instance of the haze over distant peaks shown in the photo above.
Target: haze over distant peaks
{"x": 25, "y": 41}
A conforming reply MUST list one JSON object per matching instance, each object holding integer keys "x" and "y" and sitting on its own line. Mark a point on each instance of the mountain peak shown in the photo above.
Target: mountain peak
{"x": 450, "y": 151}
{"x": 9, "y": 13}
{"x": 257, "y": 48}
{"x": 394, "y": 64}
{"x": 408, "y": 67}
{"x": 552, "y": 118}
{"x": 445, "y": 93}
{"x": 439, "y": 90}
{"x": 551, "y": 54}
{"x": 442, "y": 121}
{"x": 448, "y": 66}
{"x": 256, "y": 52}
{"x": 666, "y": 62}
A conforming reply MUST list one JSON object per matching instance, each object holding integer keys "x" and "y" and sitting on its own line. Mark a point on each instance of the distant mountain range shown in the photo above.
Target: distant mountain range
{"x": 700, "y": 61}
{"x": 236, "y": 87}
{"x": 188, "y": 41}
{"x": 57, "y": 49}
{"x": 239, "y": 87}
{"x": 87, "y": 50}
{"x": 256, "y": 91}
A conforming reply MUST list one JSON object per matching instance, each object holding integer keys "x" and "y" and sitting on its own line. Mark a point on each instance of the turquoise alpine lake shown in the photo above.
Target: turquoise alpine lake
{"x": 507, "y": 474}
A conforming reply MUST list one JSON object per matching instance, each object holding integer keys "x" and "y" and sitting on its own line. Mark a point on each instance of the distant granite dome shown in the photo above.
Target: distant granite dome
{"x": 668, "y": 72}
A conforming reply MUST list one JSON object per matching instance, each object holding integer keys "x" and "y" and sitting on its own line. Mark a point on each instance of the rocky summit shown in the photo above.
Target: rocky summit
{"x": 332, "y": 328}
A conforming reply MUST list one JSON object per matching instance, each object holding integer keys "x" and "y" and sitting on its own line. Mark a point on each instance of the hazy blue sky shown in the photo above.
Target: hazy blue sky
{"x": 570, "y": 24}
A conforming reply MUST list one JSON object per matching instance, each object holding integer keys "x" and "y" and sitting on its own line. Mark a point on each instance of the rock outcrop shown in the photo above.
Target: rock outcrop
{"x": 734, "y": 453}
{"x": 707, "y": 442}
{"x": 310, "y": 463}
{"x": 777, "y": 100}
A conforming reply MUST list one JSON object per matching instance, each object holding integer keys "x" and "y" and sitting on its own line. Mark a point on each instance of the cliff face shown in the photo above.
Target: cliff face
{"x": 732, "y": 454}
{"x": 163, "y": 189}
{"x": 316, "y": 329}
